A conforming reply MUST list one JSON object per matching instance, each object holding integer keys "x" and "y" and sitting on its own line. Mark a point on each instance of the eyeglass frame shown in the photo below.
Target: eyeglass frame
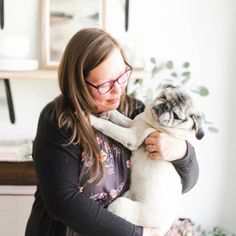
{"x": 113, "y": 80}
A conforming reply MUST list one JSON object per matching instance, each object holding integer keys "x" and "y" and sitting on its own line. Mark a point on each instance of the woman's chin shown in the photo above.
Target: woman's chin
{"x": 114, "y": 103}
{"x": 109, "y": 106}
{"x": 113, "y": 107}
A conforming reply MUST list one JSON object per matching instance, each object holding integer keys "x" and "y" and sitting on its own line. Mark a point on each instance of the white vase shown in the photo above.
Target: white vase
{"x": 14, "y": 47}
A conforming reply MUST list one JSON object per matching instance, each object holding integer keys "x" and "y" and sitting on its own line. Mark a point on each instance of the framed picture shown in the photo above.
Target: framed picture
{"x": 61, "y": 19}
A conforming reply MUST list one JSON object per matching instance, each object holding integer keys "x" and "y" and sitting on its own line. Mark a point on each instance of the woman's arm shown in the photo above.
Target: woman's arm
{"x": 188, "y": 168}
{"x": 57, "y": 168}
{"x": 181, "y": 154}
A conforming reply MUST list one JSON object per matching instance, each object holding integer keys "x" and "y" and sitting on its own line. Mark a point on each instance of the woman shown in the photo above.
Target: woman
{"x": 80, "y": 170}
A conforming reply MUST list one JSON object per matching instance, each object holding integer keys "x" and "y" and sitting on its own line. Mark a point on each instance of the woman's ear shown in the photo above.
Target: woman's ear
{"x": 198, "y": 125}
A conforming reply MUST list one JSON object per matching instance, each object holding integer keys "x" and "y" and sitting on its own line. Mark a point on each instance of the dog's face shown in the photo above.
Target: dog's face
{"x": 173, "y": 106}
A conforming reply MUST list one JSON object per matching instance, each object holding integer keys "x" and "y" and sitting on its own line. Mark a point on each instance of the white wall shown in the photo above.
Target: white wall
{"x": 29, "y": 97}
{"x": 202, "y": 33}
{"x": 14, "y": 213}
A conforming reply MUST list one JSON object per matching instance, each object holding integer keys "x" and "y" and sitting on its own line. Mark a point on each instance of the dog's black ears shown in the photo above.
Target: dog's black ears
{"x": 198, "y": 125}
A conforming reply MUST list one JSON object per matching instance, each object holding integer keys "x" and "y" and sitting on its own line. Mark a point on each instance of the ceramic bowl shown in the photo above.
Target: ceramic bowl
{"x": 14, "y": 47}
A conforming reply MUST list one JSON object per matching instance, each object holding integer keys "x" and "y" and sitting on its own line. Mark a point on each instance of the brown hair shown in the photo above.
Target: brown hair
{"x": 86, "y": 50}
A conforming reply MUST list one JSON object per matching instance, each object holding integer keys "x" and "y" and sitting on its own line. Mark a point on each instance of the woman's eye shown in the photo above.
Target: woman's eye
{"x": 105, "y": 87}
{"x": 176, "y": 117}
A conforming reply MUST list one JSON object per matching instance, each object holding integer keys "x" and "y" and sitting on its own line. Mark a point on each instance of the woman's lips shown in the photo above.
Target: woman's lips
{"x": 115, "y": 100}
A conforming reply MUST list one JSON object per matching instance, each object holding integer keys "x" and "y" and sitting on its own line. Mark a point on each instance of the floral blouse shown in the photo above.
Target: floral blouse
{"x": 116, "y": 160}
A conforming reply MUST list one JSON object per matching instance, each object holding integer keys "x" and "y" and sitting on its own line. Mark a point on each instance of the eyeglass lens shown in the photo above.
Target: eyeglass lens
{"x": 106, "y": 87}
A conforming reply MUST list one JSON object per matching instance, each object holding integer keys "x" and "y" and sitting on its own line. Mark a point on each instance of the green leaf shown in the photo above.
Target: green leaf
{"x": 184, "y": 81}
{"x": 207, "y": 122}
{"x": 133, "y": 94}
{"x": 153, "y": 60}
{"x": 169, "y": 65}
{"x": 155, "y": 70}
{"x": 138, "y": 81}
{"x": 186, "y": 64}
{"x": 203, "y": 91}
{"x": 194, "y": 91}
{"x": 213, "y": 129}
{"x": 186, "y": 73}
{"x": 174, "y": 74}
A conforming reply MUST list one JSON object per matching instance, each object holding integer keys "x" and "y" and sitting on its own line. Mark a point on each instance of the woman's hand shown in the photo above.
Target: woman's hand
{"x": 152, "y": 232}
{"x": 163, "y": 146}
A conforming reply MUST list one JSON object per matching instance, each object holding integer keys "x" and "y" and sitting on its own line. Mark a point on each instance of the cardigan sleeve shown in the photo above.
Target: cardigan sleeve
{"x": 188, "y": 169}
{"x": 57, "y": 168}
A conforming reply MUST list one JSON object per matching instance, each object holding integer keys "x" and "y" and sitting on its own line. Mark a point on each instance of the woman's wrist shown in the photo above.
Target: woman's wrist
{"x": 183, "y": 150}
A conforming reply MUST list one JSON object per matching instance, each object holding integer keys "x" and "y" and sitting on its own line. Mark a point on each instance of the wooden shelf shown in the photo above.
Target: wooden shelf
{"x": 17, "y": 173}
{"x": 51, "y": 74}
{"x": 36, "y": 74}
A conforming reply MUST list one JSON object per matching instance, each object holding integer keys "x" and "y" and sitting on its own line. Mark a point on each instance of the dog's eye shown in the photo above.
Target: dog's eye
{"x": 176, "y": 116}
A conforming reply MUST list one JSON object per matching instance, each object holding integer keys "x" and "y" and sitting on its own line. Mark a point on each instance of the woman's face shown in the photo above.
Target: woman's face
{"x": 110, "y": 69}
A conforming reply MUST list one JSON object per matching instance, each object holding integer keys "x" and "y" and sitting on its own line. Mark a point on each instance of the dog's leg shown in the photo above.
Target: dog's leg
{"x": 134, "y": 212}
{"x": 119, "y": 119}
{"x": 127, "y": 209}
{"x": 125, "y": 136}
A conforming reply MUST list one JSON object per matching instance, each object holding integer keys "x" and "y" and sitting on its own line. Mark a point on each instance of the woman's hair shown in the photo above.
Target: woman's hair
{"x": 86, "y": 50}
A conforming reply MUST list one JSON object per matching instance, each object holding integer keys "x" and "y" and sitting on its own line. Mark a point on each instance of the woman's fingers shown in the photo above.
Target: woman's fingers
{"x": 152, "y": 145}
{"x": 154, "y": 155}
{"x": 152, "y": 138}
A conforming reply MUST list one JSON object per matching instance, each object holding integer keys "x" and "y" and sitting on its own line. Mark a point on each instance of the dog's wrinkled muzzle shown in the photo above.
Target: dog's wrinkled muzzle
{"x": 162, "y": 108}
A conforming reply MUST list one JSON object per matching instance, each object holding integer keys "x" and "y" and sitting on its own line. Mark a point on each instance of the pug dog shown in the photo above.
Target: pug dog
{"x": 155, "y": 191}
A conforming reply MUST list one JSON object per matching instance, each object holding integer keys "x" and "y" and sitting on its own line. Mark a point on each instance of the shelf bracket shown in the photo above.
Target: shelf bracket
{"x": 9, "y": 100}
{"x": 126, "y": 15}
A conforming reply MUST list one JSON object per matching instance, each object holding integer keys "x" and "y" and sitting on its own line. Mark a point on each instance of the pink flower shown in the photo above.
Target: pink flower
{"x": 83, "y": 156}
{"x": 88, "y": 163}
{"x": 103, "y": 156}
{"x": 110, "y": 171}
{"x": 106, "y": 145}
{"x": 81, "y": 188}
{"x": 99, "y": 140}
{"x": 113, "y": 193}
{"x": 128, "y": 164}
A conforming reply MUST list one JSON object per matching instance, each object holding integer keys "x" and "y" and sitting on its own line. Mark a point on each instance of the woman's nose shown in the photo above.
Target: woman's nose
{"x": 116, "y": 88}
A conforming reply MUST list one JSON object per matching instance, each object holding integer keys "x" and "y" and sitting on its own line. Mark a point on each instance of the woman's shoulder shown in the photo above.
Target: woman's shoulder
{"x": 48, "y": 114}
{"x": 48, "y": 121}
